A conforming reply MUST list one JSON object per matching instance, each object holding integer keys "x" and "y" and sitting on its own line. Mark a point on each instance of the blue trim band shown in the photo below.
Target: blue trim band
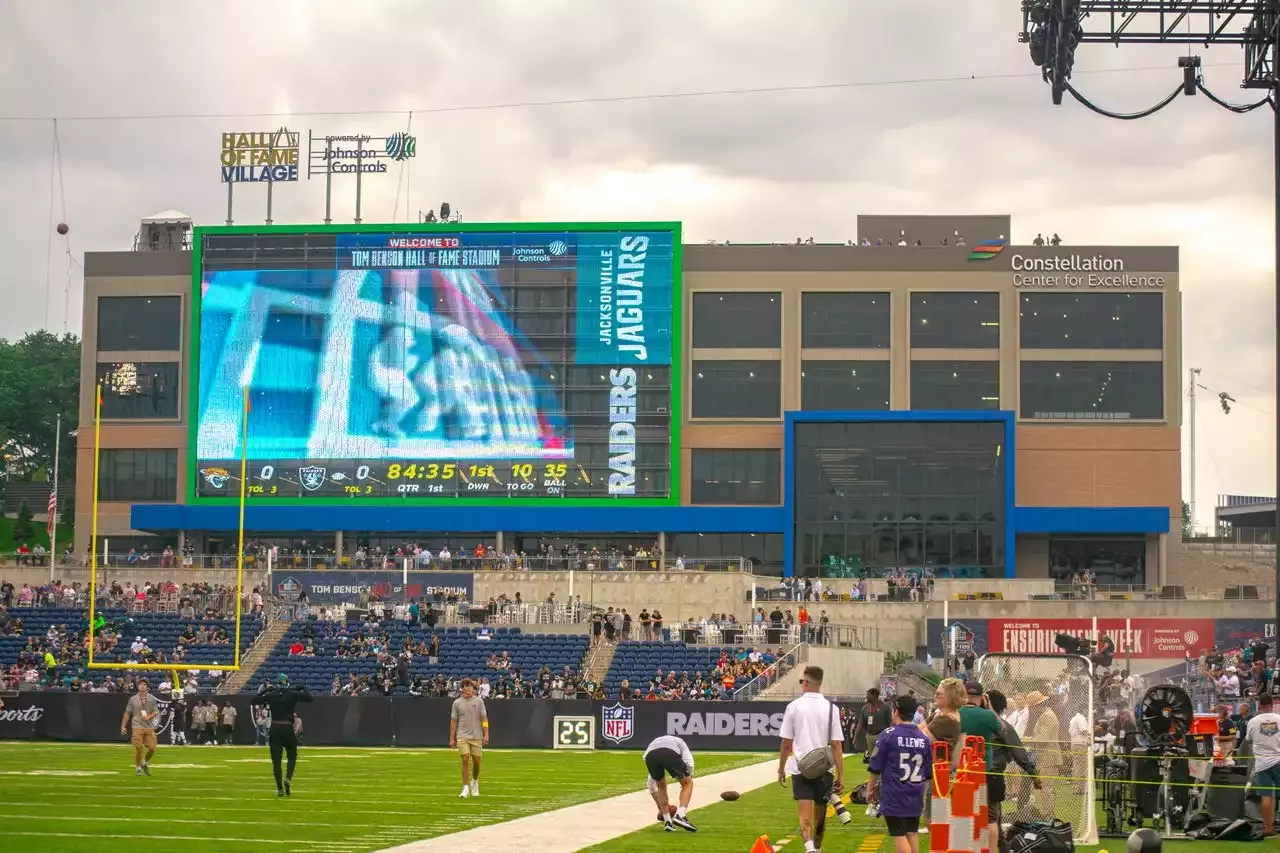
{"x": 1092, "y": 519}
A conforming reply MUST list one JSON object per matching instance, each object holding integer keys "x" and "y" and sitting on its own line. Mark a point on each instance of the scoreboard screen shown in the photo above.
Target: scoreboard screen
{"x": 474, "y": 362}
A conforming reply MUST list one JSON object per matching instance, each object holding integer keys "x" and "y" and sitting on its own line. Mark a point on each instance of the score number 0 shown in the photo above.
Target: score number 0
{"x": 573, "y": 733}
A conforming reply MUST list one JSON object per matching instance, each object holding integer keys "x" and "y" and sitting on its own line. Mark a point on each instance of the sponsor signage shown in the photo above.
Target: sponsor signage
{"x": 1143, "y": 639}
{"x": 1235, "y": 633}
{"x": 260, "y": 156}
{"x": 330, "y": 587}
{"x": 347, "y": 154}
{"x": 1078, "y": 272}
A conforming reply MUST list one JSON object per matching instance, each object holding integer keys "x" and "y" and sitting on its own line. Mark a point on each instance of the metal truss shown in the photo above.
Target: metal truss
{"x": 1253, "y": 24}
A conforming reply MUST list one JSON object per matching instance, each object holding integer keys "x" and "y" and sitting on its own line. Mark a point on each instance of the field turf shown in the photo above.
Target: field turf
{"x": 733, "y": 828}
{"x": 77, "y": 798}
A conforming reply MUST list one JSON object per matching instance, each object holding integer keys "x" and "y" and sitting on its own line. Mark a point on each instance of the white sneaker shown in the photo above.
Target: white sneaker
{"x": 475, "y": 788}
{"x": 466, "y": 792}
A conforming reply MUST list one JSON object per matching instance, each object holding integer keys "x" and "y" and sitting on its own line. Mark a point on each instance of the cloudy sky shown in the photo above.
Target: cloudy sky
{"x": 978, "y": 135}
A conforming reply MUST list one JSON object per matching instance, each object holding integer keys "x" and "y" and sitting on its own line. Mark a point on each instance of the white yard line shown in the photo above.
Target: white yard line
{"x": 574, "y": 828}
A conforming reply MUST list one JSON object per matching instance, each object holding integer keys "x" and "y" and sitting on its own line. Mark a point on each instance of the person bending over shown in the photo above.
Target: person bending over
{"x": 670, "y": 756}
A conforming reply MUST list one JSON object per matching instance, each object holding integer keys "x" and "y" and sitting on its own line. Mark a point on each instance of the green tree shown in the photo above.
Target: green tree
{"x": 23, "y": 530}
{"x": 39, "y": 380}
{"x": 67, "y": 506}
{"x": 1188, "y": 526}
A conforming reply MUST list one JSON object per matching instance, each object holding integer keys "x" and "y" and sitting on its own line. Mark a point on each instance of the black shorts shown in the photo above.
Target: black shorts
{"x": 667, "y": 761}
{"x": 900, "y": 826}
{"x": 818, "y": 790}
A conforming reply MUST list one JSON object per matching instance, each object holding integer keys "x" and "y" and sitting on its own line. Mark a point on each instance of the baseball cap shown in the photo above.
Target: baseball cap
{"x": 973, "y": 688}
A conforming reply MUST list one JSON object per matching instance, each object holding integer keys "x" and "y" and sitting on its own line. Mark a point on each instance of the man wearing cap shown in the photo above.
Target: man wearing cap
{"x": 977, "y": 720}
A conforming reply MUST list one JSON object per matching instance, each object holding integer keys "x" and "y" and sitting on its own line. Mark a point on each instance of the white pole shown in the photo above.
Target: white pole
{"x": 53, "y": 520}
{"x": 1191, "y": 394}
{"x": 1095, "y": 633}
{"x": 404, "y": 574}
{"x": 571, "y": 585}
{"x": 1128, "y": 645}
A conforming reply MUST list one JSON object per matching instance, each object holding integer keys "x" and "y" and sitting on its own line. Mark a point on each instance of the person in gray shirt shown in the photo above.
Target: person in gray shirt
{"x": 469, "y": 733}
{"x": 143, "y": 713}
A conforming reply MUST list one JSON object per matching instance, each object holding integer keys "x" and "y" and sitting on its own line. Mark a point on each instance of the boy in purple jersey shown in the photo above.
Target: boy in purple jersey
{"x": 901, "y": 763}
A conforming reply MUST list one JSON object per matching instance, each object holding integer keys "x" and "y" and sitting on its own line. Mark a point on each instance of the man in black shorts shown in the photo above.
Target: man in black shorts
{"x": 670, "y": 756}
{"x": 810, "y": 725}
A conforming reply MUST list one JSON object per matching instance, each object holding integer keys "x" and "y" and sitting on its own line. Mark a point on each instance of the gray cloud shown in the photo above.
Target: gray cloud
{"x": 760, "y": 167}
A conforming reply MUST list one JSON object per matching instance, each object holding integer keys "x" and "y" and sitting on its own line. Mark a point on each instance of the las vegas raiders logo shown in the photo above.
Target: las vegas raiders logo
{"x": 312, "y": 478}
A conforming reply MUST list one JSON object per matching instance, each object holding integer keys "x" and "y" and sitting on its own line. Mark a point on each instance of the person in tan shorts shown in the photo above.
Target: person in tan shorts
{"x": 142, "y": 712}
{"x": 469, "y": 734}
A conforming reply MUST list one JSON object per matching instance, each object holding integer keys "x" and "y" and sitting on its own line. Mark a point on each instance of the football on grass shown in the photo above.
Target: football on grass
{"x": 671, "y": 810}
{"x": 730, "y": 796}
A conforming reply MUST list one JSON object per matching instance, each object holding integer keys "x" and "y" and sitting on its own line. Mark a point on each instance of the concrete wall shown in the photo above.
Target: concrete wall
{"x": 846, "y": 672}
{"x": 1212, "y": 566}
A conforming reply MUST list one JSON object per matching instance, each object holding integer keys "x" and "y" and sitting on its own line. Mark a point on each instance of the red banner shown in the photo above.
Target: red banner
{"x": 1145, "y": 638}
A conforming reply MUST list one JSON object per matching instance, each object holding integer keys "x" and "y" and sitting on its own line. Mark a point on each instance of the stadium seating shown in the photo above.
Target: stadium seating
{"x": 161, "y": 631}
{"x": 637, "y": 661}
{"x": 461, "y": 655}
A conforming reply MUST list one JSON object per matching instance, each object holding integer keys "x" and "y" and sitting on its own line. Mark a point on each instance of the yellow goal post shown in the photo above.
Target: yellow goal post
{"x": 174, "y": 668}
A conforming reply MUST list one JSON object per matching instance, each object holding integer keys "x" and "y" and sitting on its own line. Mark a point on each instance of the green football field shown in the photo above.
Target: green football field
{"x": 79, "y": 798}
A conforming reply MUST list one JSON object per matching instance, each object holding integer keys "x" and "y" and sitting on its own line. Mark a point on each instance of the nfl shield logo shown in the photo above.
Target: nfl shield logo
{"x": 617, "y": 722}
{"x": 312, "y": 478}
{"x": 401, "y": 146}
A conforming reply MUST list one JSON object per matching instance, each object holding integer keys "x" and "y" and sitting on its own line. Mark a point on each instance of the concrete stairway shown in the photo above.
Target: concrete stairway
{"x": 257, "y": 654}
{"x": 597, "y": 662}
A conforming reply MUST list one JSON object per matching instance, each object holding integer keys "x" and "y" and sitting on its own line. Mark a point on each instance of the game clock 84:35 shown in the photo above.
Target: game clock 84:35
{"x": 406, "y": 478}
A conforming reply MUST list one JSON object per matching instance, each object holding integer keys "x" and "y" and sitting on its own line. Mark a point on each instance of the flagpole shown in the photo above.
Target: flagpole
{"x": 53, "y": 502}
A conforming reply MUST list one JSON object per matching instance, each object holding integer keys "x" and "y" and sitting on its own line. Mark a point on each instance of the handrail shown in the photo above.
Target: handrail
{"x": 797, "y": 654}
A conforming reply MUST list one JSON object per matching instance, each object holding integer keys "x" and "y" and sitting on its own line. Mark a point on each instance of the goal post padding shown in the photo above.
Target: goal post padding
{"x": 1067, "y": 791}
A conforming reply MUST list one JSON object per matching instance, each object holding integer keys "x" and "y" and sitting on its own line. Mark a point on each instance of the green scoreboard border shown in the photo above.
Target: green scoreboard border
{"x": 677, "y": 356}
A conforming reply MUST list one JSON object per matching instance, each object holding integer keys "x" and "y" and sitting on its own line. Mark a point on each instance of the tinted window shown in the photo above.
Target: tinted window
{"x": 763, "y": 551}
{"x": 853, "y": 320}
{"x": 737, "y": 320}
{"x": 840, "y": 385}
{"x": 737, "y": 389}
{"x": 875, "y": 497}
{"x": 955, "y": 320}
{"x": 138, "y": 390}
{"x": 736, "y": 477}
{"x": 138, "y": 475}
{"x": 139, "y": 323}
{"x": 955, "y": 384}
{"x": 1092, "y": 390}
{"x": 1091, "y": 320}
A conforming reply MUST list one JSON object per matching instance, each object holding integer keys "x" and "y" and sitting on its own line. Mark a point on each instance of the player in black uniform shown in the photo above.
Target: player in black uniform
{"x": 281, "y": 698}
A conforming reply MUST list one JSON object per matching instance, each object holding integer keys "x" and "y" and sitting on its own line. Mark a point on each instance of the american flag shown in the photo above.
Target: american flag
{"x": 53, "y": 511}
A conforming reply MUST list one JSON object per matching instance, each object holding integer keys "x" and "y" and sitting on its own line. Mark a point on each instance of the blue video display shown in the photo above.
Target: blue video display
{"x": 427, "y": 364}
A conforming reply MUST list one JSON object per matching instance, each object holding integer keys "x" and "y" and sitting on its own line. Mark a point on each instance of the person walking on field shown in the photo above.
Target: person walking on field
{"x": 469, "y": 734}
{"x": 142, "y": 711}
{"x": 810, "y": 754}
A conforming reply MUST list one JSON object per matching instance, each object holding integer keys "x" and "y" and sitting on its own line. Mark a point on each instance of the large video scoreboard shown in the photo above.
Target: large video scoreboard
{"x": 436, "y": 362}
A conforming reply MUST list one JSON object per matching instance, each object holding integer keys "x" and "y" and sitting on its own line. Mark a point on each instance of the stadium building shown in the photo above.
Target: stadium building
{"x": 927, "y": 395}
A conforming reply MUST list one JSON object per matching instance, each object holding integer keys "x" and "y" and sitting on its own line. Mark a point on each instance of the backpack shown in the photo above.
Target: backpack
{"x": 1025, "y": 836}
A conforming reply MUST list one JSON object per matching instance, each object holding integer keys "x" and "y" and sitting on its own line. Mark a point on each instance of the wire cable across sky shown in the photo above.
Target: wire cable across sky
{"x": 603, "y": 99}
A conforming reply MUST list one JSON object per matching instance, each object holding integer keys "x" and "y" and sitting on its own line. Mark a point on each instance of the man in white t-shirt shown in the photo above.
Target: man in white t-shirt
{"x": 670, "y": 756}
{"x": 1263, "y": 735}
{"x": 810, "y": 723}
